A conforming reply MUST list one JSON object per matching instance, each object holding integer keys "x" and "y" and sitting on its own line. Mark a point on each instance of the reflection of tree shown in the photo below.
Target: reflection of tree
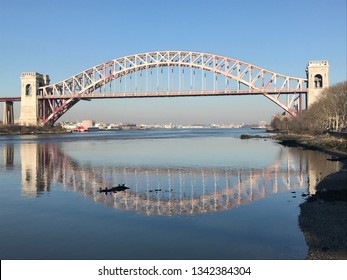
{"x": 170, "y": 191}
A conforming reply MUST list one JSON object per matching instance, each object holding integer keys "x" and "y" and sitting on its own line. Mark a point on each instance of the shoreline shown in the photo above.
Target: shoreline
{"x": 323, "y": 218}
{"x": 6, "y": 130}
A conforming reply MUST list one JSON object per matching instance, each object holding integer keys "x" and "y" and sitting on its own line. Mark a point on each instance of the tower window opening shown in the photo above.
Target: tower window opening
{"x": 318, "y": 81}
{"x": 28, "y": 89}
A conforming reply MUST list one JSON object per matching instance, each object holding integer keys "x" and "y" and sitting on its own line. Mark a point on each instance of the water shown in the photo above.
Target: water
{"x": 193, "y": 194}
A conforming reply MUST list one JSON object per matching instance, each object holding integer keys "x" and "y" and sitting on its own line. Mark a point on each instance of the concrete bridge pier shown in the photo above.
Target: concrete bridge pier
{"x": 8, "y": 116}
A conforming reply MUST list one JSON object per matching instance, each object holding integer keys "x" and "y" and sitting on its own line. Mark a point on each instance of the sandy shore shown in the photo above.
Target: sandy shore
{"x": 323, "y": 217}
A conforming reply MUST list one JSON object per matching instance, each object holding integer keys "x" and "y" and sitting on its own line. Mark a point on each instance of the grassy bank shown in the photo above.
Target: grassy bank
{"x": 22, "y": 130}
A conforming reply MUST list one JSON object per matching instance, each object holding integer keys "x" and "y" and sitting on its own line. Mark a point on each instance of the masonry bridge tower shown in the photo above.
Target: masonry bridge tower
{"x": 317, "y": 80}
{"x": 29, "y": 109}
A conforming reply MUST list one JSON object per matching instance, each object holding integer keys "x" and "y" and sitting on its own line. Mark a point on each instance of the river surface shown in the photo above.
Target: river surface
{"x": 193, "y": 194}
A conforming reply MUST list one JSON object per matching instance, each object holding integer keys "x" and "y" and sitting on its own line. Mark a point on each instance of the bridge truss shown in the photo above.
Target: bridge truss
{"x": 169, "y": 74}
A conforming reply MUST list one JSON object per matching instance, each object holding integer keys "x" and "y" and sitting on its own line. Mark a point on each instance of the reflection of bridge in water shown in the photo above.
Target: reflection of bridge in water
{"x": 169, "y": 191}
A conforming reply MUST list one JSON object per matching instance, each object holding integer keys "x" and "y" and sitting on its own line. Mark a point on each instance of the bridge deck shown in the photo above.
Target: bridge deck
{"x": 7, "y": 99}
{"x": 169, "y": 94}
{"x": 156, "y": 94}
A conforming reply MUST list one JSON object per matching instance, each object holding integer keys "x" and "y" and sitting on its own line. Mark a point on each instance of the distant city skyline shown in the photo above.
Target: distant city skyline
{"x": 156, "y": 123}
{"x": 36, "y": 39}
{"x": 173, "y": 111}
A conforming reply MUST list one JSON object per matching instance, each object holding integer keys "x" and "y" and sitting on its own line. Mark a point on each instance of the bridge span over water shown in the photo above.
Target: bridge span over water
{"x": 165, "y": 74}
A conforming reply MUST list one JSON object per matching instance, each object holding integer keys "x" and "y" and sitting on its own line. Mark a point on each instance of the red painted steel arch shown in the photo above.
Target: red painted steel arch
{"x": 59, "y": 97}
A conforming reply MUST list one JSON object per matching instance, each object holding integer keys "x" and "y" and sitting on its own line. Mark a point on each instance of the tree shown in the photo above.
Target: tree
{"x": 329, "y": 112}
{"x": 332, "y": 107}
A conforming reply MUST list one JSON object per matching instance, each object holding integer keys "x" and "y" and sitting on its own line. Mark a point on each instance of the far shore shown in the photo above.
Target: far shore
{"x": 27, "y": 130}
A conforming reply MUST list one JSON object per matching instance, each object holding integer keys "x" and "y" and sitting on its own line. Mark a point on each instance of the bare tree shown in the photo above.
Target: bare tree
{"x": 333, "y": 104}
{"x": 329, "y": 112}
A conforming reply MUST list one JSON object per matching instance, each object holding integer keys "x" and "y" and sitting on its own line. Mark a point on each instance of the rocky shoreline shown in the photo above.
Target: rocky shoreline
{"x": 323, "y": 216}
{"x": 335, "y": 146}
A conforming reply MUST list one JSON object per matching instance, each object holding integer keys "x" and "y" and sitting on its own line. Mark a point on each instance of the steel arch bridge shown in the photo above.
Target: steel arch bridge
{"x": 169, "y": 74}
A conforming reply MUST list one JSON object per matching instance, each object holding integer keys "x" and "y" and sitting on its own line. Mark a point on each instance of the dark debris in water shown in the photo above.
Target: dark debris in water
{"x": 160, "y": 190}
{"x": 119, "y": 188}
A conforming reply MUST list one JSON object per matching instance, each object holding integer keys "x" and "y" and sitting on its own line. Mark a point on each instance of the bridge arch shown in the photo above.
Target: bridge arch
{"x": 56, "y": 99}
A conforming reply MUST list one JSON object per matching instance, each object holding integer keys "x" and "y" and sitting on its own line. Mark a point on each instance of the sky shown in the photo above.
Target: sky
{"x": 64, "y": 37}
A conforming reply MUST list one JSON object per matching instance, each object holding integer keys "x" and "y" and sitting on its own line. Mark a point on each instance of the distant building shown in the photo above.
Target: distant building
{"x": 88, "y": 123}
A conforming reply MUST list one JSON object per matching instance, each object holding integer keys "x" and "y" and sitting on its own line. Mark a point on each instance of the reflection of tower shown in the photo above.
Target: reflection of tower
{"x": 8, "y": 156}
{"x": 28, "y": 154}
{"x": 318, "y": 167}
{"x": 32, "y": 167}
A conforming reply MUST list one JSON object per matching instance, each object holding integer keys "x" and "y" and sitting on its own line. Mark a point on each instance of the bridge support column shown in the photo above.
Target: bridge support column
{"x": 8, "y": 116}
{"x": 317, "y": 80}
{"x": 30, "y": 83}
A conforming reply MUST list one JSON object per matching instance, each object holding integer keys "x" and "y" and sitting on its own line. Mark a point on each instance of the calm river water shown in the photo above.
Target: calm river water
{"x": 193, "y": 194}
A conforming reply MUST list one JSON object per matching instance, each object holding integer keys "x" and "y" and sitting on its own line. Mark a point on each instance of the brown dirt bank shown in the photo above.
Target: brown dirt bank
{"x": 323, "y": 217}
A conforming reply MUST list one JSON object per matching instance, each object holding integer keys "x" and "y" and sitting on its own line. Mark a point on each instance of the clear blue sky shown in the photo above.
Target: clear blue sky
{"x": 63, "y": 37}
